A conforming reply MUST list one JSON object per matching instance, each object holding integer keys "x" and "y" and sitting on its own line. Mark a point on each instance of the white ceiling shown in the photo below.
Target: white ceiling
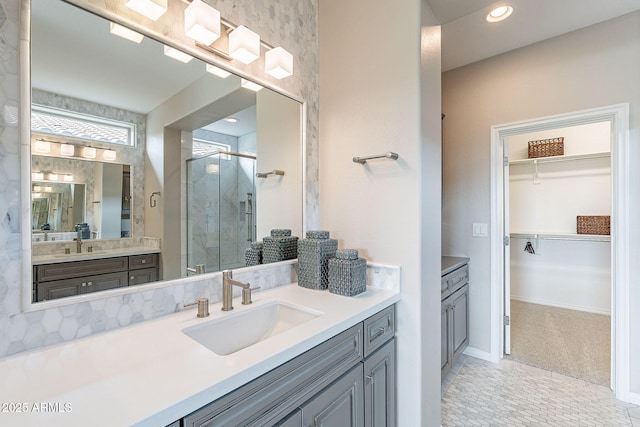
{"x": 467, "y": 37}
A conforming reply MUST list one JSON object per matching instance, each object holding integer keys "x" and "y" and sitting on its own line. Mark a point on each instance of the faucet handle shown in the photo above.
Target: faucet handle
{"x": 203, "y": 306}
{"x": 246, "y": 295}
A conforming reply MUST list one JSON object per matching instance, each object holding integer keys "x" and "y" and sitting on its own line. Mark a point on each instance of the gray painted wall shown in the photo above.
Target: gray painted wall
{"x": 589, "y": 68}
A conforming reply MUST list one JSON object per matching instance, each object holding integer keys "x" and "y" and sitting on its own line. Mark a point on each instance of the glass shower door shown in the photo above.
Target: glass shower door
{"x": 220, "y": 211}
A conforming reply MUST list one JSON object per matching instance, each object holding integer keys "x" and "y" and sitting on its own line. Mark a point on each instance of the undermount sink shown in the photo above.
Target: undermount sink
{"x": 236, "y": 331}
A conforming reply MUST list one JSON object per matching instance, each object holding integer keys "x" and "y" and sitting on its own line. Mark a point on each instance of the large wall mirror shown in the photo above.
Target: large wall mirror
{"x": 129, "y": 145}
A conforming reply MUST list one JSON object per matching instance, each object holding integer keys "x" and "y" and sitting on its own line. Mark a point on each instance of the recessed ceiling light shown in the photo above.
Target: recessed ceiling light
{"x": 231, "y": 119}
{"x": 499, "y": 13}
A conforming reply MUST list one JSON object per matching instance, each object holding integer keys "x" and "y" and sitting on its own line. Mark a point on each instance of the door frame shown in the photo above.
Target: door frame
{"x": 618, "y": 116}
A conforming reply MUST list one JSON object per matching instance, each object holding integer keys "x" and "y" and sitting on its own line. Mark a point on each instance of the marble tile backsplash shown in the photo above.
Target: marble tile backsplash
{"x": 290, "y": 23}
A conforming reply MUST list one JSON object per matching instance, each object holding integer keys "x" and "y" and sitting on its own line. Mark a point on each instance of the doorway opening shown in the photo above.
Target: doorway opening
{"x": 616, "y": 118}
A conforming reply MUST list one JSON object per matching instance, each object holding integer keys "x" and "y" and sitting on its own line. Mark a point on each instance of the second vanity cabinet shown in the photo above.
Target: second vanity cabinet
{"x": 64, "y": 279}
{"x": 454, "y": 315}
{"x": 336, "y": 383}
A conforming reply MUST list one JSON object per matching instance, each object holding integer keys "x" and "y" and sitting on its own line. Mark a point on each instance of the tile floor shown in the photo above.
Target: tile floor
{"x": 480, "y": 393}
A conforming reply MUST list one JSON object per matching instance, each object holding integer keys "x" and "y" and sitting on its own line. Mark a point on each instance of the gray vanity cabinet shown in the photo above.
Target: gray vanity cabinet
{"x": 65, "y": 279}
{"x": 340, "y": 404}
{"x": 454, "y": 316}
{"x": 333, "y": 384}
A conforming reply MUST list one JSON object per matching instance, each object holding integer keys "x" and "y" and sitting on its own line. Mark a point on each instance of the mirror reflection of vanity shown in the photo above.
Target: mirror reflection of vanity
{"x": 131, "y": 194}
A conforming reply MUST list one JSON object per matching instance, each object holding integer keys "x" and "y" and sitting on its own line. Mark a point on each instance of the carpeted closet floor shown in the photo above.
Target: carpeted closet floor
{"x": 574, "y": 343}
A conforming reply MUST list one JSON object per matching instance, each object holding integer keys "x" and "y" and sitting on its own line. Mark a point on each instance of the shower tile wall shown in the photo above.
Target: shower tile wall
{"x": 280, "y": 22}
{"x": 217, "y": 223}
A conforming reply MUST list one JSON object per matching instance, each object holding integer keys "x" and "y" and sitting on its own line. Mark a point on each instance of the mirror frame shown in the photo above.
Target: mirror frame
{"x": 24, "y": 118}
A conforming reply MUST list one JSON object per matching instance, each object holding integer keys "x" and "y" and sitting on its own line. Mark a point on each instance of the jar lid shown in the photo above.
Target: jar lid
{"x": 347, "y": 254}
{"x": 280, "y": 232}
{"x": 317, "y": 234}
{"x": 257, "y": 245}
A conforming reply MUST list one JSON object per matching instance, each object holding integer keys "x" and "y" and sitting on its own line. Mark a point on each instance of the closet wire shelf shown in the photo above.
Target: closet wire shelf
{"x": 567, "y": 237}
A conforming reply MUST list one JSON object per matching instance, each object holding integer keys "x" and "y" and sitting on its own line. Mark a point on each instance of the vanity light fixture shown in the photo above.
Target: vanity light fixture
{"x": 89, "y": 152}
{"x": 217, "y": 71}
{"x": 278, "y": 63}
{"x": 248, "y": 84}
{"x": 244, "y": 45}
{"x": 42, "y": 146}
{"x": 52, "y": 177}
{"x": 48, "y": 189}
{"x": 202, "y": 22}
{"x": 37, "y": 188}
{"x": 499, "y": 13}
{"x": 176, "y": 54}
{"x": 125, "y": 33}
{"x": 37, "y": 176}
{"x": 152, "y": 9}
{"x": 109, "y": 155}
{"x": 36, "y": 195}
{"x": 67, "y": 150}
{"x": 67, "y": 178}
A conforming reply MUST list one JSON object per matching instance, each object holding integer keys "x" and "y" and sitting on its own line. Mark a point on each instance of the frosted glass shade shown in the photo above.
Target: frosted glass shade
{"x": 37, "y": 176}
{"x": 67, "y": 149}
{"x": 248, "y": 84}
{"x": 278, "y": 63}
{"x": 52, "y": 177}
{"x": 125, "y": 33}
{"x": 89, "y": 152}
{"x": 176, "y": 54}
{"x": 109, "y": 155}
{"x": 202, "y": 22}
{"x": 244, "y": 45}
{"x": 217, "y": 71}
{"x": 42, "y": 147}
{"x": 68, "y": 178}
{"x": 152, "y": 9}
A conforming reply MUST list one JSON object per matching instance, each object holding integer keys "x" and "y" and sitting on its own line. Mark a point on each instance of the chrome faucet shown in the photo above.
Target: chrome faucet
{"x": 78, "y": 241}
{"x": 227, "y": 291}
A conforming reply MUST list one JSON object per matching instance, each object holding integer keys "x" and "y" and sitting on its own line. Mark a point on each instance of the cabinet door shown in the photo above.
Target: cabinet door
{"x": 380, "y": 387}
{"x": 292, "y": 420}
{"x": 143, "y": 275}
{"x": 103, "y": 282}
{"x": 459, "y": 319}
{"x": 445, "y": 337}
{"x": 58, "y": 289}
{"x": 340, "y": 404}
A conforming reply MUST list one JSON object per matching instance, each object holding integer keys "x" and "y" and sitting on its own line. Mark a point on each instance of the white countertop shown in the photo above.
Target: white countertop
{"x": 151, "y": 374}
{"x": 96, "y": 254}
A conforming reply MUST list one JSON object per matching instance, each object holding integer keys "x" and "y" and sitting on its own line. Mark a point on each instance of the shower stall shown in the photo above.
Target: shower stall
{"x": 221, "y": 210}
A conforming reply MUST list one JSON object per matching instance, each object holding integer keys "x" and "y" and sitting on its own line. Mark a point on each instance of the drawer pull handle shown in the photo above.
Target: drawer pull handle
{"x": 370, "y": 378}
{"x": 132, "y": 278}
{"x": 90, "y": 284}
{"x": 144, "y": 261}
{"x": 84, "y": 284}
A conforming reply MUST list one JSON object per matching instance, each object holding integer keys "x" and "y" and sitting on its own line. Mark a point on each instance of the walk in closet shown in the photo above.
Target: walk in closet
{"x": 560, "y": 276}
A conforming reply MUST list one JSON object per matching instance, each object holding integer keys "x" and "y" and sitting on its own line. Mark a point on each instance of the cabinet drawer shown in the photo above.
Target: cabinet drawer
{"x": 458, "y": 278}
{"x": 444, "y": 287}
{"x": 378, "y": 329}
{"x": 143, "y": 261}
{"x": 80, "y": 285}
{"x": 67, "y": 270}
{"x": 143, "y": 275}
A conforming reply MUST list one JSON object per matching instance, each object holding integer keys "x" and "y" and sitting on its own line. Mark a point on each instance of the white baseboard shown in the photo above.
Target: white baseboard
{"x": 479, "y": 354}
{"x": 567, "y": 306}
{"x": 634, "y": 398}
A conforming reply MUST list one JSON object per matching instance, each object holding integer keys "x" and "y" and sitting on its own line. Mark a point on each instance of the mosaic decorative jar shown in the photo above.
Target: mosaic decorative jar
{"x": 253, "y": 255}
{"x": 314, "y": 253}
{"x": 347, "y": 273}
{"x": 280, "y": 246}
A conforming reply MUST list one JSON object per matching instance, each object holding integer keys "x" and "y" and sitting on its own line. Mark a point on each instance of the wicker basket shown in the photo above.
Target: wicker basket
{"x": 546, "y": 147}
{"x": 594, "y": 224}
